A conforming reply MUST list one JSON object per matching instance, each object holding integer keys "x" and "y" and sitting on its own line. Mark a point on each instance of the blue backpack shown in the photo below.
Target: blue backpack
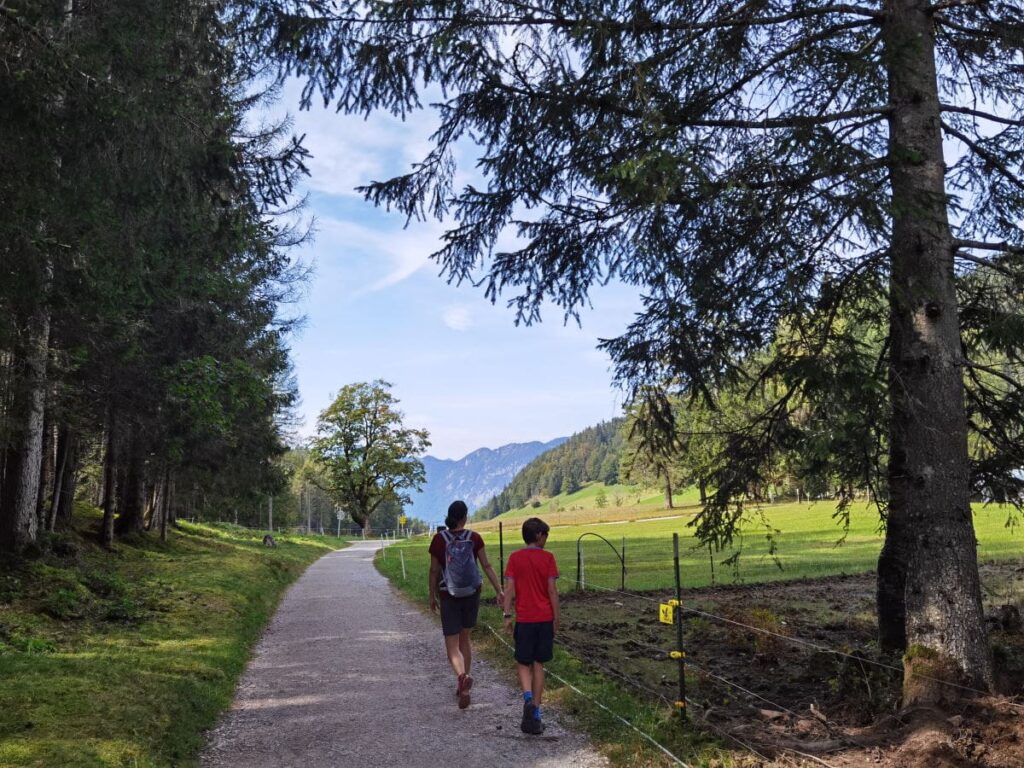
{"x": 461, "y": 576}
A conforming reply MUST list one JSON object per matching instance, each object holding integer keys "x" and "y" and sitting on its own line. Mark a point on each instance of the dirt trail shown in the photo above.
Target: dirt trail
{"x": 351, "y": 674}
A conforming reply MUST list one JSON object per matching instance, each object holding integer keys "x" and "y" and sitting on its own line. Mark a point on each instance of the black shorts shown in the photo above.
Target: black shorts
{"x": 535, "y": 641}
{"x": 459, "y": 613}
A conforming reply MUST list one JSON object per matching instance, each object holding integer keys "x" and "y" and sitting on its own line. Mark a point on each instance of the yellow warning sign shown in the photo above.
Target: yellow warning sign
{"x": 403, "y": 520}
{"x": 666, "y": 613}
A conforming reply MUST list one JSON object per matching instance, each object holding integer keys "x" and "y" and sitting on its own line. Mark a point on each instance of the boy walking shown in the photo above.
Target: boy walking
{"x": 530, "y": 584}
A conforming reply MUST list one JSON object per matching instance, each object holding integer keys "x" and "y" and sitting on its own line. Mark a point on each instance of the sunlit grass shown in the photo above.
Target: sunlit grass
{"x": 785, "y": 541}
{"x": 125, "y": 658}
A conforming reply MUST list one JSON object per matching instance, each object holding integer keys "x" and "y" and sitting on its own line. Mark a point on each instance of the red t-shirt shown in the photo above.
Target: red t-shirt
{"x": 531, "y": 569}
{"x": 437, "y": 549}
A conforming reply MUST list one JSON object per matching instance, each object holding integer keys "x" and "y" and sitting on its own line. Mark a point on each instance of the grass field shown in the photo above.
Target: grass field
{"x": 124, "y": 658}
{"x": 808, "y": 542}
{"x": 580, "y": 508}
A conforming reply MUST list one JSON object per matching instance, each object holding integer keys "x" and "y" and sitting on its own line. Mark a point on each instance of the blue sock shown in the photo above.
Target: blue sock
{"x": 527, "y": 696}
{"x": 536, "y": 714}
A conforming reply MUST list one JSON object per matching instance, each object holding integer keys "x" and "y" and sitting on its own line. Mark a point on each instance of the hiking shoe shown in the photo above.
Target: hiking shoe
{"x": 533, "y": 726}
{"x": 529, "y": 717}
{"x": 465, "y": 683}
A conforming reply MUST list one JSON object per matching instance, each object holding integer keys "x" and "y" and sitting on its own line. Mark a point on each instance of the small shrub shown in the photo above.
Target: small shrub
{"x": 535, "y": 504}
{"x": 122, "y": 610}
{"x": 105, "y": 584}
{"x": 863, "y": 688}
{"x": 62, "y": 544}
{"x": 34, "y": 646}
{"x": 65, "y": 604}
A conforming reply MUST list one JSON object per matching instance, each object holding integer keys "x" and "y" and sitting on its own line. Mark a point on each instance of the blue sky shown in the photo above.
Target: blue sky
{"x": 376, "y": 308}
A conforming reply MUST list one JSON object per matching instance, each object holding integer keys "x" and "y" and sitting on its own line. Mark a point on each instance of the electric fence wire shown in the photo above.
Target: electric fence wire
{"x": 810, "y": 644}
{"x": 736, "y": 686}
{"x": 605, "y": 632}
{"x": 833, "y": 728}
{"x": 580, "y": 654}
{"x": 722, "y": 732}
{"x": 647, "y": 737}
{"x": 607, "y": 670}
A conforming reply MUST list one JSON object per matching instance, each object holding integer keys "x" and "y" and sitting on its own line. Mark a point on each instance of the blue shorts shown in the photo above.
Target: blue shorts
{"x": 535, "y": 641}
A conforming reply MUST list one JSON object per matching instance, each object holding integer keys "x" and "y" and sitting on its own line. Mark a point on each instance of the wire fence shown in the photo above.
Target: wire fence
{"x": 637, "y": 578}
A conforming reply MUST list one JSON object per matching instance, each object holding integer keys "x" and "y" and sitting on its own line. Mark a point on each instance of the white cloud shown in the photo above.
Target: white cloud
{"x": 402, "y": 252}
{"x": 457, "y": 318}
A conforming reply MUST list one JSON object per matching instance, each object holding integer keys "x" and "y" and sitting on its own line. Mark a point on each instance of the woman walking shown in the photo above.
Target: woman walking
{"x": 455, "y": 585}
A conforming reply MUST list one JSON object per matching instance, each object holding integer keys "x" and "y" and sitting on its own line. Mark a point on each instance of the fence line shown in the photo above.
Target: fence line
{"x": 608, "y": 670}
{"x": 815, "y": 646}
{"x": 721, "y": 731}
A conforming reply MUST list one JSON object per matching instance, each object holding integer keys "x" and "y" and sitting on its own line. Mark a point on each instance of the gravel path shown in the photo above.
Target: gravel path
{"x": 351, "y": 674}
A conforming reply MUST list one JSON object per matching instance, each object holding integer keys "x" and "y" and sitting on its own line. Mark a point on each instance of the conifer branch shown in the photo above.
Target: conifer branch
{"x": 984, "y": 154}
{"x": 647, "y": 26}
{"x": 983, "y": 115}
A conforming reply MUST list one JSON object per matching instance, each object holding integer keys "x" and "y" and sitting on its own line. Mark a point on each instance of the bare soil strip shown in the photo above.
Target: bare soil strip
{"x": 349, "y": 673}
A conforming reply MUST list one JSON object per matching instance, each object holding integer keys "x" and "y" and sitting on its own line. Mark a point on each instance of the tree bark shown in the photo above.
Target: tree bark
{"x": 130, "y": 517}
{"x": 930, "y": 533}
{"x": 165, "y": 511}
{"x": 59, "y": 475}
{"x": 891, "y": 587}
{"x": 668, "y": 492}
{"x": 69, "y": 485}
{"x": 19, "y": 522}
{"x": 109, "y": 475}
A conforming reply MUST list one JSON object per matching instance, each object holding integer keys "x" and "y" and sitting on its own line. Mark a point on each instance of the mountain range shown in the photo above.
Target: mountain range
{"x": 475, "y": 478}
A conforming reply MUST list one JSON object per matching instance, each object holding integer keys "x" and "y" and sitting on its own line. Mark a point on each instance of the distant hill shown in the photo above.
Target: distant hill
{"x": 591, "y": 455}
{"x": 475, "y": 478}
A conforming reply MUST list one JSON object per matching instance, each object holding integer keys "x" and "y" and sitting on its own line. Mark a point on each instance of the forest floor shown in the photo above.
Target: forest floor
{"x": 786, "y": 673}
{"x": 125, "y": 657}
{"x": 350, "y": 673}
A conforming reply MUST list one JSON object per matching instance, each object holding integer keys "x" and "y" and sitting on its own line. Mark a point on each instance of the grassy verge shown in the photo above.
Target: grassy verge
{"x": 124, "y": 658}
{"x": 621, "y": 744}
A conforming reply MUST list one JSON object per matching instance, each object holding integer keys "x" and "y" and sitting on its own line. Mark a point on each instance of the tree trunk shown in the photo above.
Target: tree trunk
{"x": 891, "y": 587}
{"x": 19, "y": 522}
{"x": 47, "y": 471}
{"x": 130, "y": 517}
{"x": 702, "y": 485}
{"x": 930, "y": 532}
{"x": 59, "y": 475}
{"x": 668, "y": 493}
{"x": 69, "y": 485}
{"x": 165, "y": 512}
{"x": 109, "y": 475}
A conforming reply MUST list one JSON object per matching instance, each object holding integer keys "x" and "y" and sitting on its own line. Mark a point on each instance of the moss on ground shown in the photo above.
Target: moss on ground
{"x": 125, "y": 658}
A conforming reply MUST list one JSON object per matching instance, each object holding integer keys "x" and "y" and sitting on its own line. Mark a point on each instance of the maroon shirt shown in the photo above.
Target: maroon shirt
{"x": 437, "y": 550}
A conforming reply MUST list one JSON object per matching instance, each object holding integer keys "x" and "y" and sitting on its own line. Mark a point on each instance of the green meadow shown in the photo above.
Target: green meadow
{"x": 783, "y": 541}
{"x": 124, "y": 658}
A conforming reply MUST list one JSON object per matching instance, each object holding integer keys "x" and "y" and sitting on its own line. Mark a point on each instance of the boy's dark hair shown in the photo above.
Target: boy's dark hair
{"x": 457, "y": 511}
{"x": 533, "y": 528}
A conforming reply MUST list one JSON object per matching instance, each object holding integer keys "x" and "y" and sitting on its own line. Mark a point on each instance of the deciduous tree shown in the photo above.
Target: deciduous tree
{"x": 367, "y": 456}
